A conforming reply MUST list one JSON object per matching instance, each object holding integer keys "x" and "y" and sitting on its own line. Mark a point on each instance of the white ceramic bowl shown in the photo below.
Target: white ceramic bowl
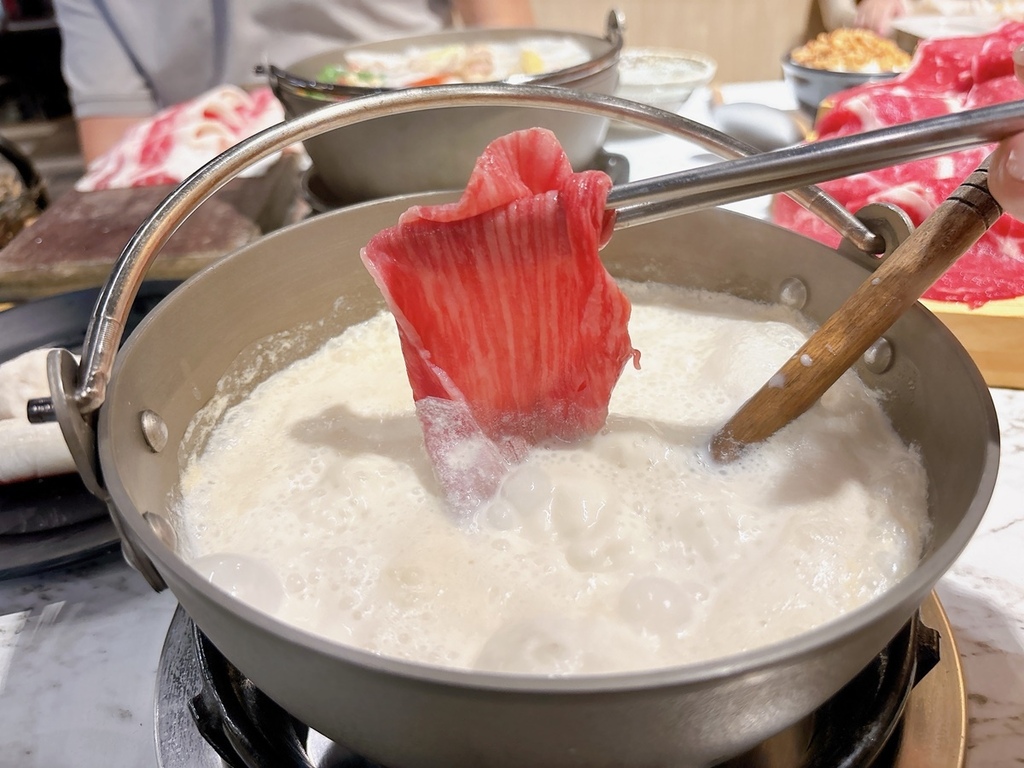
{"x": 663, "y": 77}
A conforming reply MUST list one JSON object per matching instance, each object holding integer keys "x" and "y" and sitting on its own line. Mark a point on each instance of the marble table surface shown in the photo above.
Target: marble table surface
{"x": 79, "y": 647}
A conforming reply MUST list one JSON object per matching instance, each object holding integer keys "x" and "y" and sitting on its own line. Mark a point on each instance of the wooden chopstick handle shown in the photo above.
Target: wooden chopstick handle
{"x": 891, "y": 290}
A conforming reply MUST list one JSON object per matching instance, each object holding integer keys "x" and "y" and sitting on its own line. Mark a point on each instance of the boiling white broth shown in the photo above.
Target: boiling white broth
{"x": 314, "y": 500}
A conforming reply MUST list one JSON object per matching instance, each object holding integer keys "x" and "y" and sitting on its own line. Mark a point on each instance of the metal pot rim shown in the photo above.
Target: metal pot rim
{"x": 79, "y": 391}
{"x": 913, "y": 587}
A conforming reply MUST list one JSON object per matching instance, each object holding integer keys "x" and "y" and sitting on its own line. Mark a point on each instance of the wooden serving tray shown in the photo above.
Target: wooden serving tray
{"x": 993, "y": 334}
{"x": 76, "y": 240}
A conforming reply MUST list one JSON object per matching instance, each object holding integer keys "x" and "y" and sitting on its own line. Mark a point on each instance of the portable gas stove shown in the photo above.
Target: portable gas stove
{"x": 907, "y": 708}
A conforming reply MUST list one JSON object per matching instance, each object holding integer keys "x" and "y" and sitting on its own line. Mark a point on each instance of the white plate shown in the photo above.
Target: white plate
{"x": 934, "y": 27}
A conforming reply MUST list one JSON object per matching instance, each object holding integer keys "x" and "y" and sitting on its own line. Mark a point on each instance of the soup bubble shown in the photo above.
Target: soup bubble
{"x": 656, "y": 605}
{"x": 249, "y": 579}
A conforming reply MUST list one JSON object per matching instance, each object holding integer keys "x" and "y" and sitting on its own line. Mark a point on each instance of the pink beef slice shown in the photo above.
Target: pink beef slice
{"x": 946, "y": 76}
{"x": 512, "y": 330}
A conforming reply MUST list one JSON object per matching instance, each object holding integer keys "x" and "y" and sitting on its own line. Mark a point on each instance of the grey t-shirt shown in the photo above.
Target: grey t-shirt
{"x": 132, "y": 57}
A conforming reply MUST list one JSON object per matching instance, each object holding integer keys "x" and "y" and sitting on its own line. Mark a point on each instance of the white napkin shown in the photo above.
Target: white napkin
{"x": 28, "y": 450}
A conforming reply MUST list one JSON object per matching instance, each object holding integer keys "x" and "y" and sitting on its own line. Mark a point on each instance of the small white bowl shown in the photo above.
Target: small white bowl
{"x": 663, "y": 77}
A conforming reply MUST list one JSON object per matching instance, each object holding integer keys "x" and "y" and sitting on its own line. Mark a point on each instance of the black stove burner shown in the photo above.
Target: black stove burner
{"x": 247, "y": 729}
{"x": 854, "y": 729}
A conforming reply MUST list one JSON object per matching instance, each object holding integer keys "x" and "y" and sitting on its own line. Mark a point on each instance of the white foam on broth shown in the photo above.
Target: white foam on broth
{"x": 314, "y": 500}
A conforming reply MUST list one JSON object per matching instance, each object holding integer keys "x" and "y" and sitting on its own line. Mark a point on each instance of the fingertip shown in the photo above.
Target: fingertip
{"x": 1018, "y": 61}
{"x": 1014, "y": 163}
{"x": 1006, "y": 176}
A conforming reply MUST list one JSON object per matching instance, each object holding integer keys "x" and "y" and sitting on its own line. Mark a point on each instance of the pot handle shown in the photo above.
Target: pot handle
{"x": 77, "y": 395}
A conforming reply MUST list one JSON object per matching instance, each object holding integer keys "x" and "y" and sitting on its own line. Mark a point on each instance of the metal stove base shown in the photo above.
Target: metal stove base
{"x": 932, "y": 731}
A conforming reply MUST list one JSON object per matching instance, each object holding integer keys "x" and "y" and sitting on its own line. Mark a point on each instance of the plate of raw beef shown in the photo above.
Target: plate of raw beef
{"x": 946, "y": 76}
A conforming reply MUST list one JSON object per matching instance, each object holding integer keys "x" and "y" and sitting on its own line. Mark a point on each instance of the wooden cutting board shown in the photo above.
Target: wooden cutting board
{"x": 993, "y": 335}
{"x": 76, "y": 240}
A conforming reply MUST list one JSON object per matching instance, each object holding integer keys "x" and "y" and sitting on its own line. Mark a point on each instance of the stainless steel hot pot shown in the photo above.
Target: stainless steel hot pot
{"x": 404, "y": 714}
{"x": 436, "y": 149}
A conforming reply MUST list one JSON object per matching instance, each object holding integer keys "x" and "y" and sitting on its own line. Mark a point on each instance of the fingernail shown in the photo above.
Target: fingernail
{"x": 1018, "y": 56}
{"x": 1015, "y": 164}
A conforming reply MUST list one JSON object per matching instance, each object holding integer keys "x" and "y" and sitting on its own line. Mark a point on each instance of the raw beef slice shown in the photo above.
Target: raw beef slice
{"x": 512, "y": 330}
{"x": 946, "y": 76}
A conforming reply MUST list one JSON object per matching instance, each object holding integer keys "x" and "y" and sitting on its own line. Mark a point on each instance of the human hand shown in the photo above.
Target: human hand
{"x": 1006, "y": 173}
{"x": 878, "y": 15}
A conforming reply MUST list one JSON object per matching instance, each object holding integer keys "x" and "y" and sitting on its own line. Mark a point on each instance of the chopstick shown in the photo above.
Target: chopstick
{"x": 878, "y": 302}
{"x": 781, "y": 170}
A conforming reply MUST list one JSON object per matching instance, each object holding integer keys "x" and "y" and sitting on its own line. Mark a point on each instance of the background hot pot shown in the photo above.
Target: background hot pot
{"x": 436, "y": 149}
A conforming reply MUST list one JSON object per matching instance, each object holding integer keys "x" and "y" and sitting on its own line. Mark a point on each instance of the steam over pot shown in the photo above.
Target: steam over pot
{"x": 402, "y": 713}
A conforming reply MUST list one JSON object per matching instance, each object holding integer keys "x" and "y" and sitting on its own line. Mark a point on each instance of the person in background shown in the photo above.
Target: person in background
{"x": 124, "y": 60}
{"x": 878, "y": 15}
